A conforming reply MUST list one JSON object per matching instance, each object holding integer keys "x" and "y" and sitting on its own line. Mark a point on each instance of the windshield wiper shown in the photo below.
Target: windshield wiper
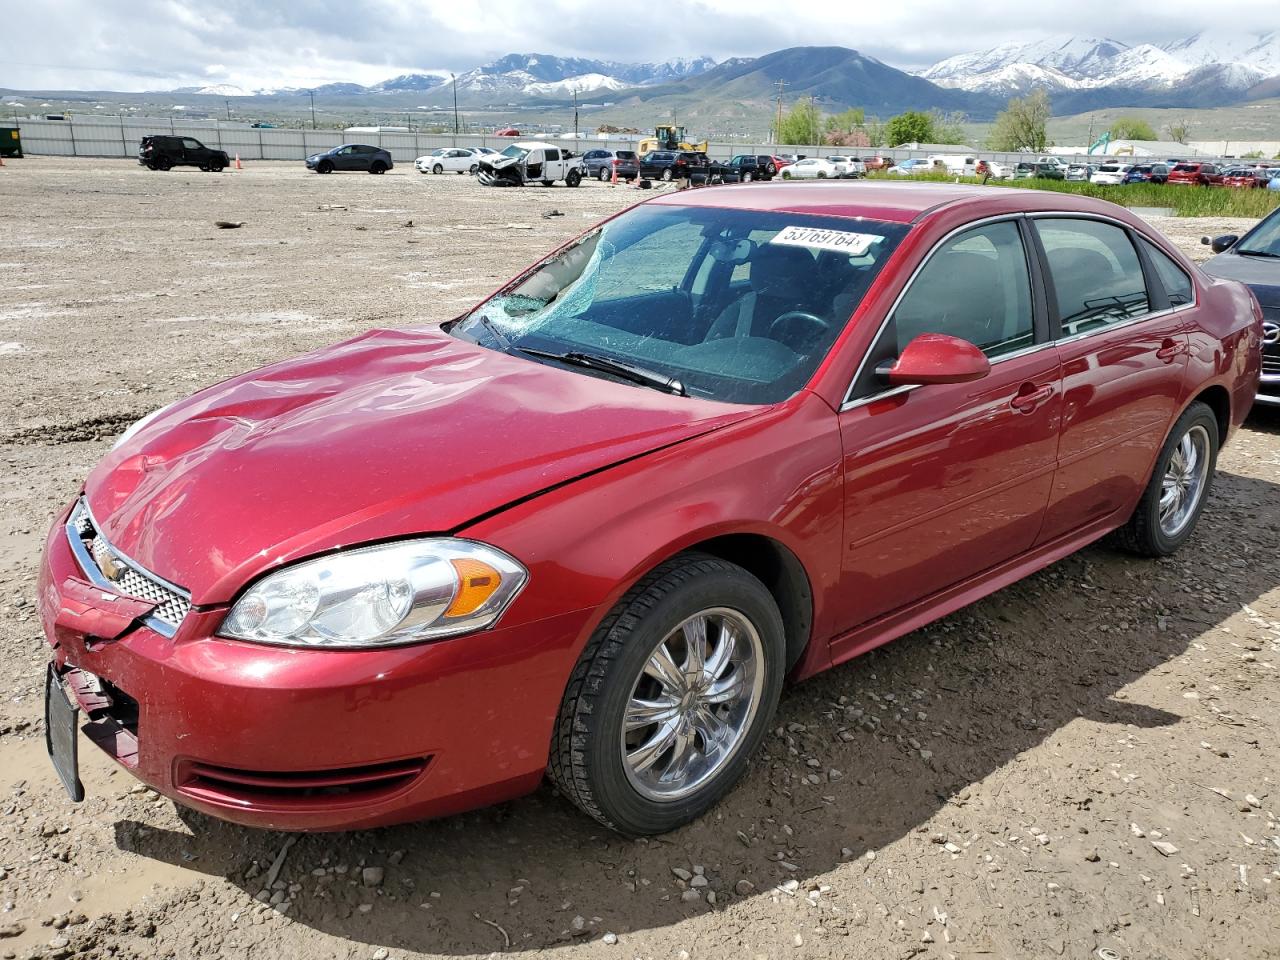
{"x": 503, "y": 340}
{"x": 617, "y": 368}
{"x": 1257, "y": 253}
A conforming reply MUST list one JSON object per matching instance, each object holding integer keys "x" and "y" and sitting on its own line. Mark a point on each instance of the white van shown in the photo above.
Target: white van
{"x": 955, "y": 163}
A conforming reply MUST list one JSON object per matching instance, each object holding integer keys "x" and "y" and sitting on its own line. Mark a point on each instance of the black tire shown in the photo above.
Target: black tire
{"x": 474, "y": 167}
{"x": 604, "y": 174}
{"x": 822, "y": 174}
{"x": 324, "y": 166}
{"x": 204, "y": 168}
{"x": 667, "y": 175}
{"x": 746, "y": 176}
{"x": 786, "y": 174}
{"x": 573, "y": 178}
{"x": 164, "y": 163}
{"x": 378, "y": 167}
{"x": 215, "y": 168}
{"x": 1142, "y": 533}
{"x": 548, "y": 183}
{"x": 586, "y": 762}
{"x": 771, "y": 169}
{"x": 438, "y": 168}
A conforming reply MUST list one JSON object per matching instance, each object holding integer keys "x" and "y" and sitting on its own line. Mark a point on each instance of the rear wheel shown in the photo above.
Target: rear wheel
{"x": 667, "y": 175}
{"x": 746, "y": 176}
{"x": 604, "y": 174}
{"x": 1171, "y": 505}
{"x": 472, "y": 169}
{"x": 378, "y": 167}
{"x": 164, "y": 163}
{"x": 670, "y": 697}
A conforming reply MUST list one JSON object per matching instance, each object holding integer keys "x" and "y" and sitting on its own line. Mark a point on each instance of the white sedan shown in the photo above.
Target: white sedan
{"x": 1112, "y": 173}
{"x": 449, "y": 159}
{"x": 811, "y": 168}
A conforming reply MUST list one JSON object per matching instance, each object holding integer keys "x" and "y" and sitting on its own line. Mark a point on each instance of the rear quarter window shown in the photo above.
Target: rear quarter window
{"x": 1177, "y": 285}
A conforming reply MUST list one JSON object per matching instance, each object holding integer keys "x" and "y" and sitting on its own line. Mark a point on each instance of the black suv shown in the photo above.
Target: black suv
{"x": 161, "y": 153}
{"x": 601, "y": 163}
{"x": 675, "y": 164}
{"x": 744, "y": 168}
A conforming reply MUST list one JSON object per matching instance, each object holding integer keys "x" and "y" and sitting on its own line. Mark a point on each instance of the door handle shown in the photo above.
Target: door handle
{"x": 1028, "y": 401}
{"x": 1170, "y": 350}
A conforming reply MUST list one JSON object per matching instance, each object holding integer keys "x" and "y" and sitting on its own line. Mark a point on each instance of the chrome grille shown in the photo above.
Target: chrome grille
{"x": 109, "y": 569}
{"x": 1270, "y": 364}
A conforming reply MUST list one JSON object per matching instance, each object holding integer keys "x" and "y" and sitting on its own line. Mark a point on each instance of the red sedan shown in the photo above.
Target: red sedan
{"x": 1245, "y": 178}
{"x": 726, "y": 439}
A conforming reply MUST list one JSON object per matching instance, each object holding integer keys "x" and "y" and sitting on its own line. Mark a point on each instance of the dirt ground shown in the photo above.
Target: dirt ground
{"x": 1082, "y": 765}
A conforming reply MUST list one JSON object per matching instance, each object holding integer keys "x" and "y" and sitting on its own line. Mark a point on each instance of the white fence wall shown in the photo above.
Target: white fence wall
{"x": 119, "y": 137}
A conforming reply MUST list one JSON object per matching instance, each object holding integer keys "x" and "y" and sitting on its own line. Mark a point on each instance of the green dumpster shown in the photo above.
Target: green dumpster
{"x": 10, "y": 142}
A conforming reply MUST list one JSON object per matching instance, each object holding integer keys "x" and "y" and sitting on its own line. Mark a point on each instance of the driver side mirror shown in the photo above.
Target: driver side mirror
{"x": 1218, "y": 244}
{"x": 936, "y": 358}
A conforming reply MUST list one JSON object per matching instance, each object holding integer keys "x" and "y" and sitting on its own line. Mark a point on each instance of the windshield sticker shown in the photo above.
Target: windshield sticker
{"x": 854, "y": 244}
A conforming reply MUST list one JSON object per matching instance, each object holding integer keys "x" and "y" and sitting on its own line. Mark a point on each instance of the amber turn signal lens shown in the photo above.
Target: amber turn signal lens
{"x": 477, "y": 582}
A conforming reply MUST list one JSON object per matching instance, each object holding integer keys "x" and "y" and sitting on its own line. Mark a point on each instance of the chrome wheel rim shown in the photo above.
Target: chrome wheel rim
{"x": 1184, "y": 479}
{"x": 692, "y": 704}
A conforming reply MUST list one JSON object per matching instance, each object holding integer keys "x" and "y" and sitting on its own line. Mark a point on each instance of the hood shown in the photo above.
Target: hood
{"x": 499, "y": 162}
{"x": 394, "y": 433}
{"x": 1260, "y": 274}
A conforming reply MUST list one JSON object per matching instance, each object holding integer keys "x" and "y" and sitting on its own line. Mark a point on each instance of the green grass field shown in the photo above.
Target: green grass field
{"x": 1184, "y": 201}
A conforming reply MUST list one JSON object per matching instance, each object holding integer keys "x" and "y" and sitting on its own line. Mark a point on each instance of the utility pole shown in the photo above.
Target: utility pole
{"x": 312, "y": 94}
{"x": 454, "y": 80}
{"x": 777, "y": 127}
{"x": 228, "y": 103}
{"x": 575, "y": 114}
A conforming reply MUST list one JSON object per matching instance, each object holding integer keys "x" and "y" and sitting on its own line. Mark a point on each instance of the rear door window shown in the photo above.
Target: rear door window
{"x": 1097, "y": 277}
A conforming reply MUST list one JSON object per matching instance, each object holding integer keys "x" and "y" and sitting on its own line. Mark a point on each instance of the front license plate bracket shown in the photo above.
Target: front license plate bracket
{"x": 61, "y": 734}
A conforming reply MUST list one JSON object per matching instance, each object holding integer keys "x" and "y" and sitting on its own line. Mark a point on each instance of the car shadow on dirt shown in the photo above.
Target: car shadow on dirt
{"x": 860, "y": 757}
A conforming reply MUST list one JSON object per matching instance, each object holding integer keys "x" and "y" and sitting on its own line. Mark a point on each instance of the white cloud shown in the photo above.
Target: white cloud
{"x": 151, "y": 44}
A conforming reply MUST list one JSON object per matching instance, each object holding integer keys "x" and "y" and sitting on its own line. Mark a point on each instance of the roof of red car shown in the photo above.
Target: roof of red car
{"x": 893, "y": 202}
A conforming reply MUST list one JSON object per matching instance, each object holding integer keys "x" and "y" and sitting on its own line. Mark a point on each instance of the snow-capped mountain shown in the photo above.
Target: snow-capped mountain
{"x": 222, "y": 90}
{"x": 541, "y": 75}
{"x": 1210, "y": 63}
{"x": 571, "y": 85}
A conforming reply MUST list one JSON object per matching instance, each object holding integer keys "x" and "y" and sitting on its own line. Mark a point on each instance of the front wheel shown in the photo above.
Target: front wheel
{"x": 786, "y": 174}
{"x": 671, "y": 696}
{"x": 573, "y": 178}
{"x": 438, "y": 168}
{"x": 1171, "y": 505}
{"x": 324, "y": 166}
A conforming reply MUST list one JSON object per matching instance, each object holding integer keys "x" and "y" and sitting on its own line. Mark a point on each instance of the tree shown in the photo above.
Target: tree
{"x": 948, "y": 127}
{"x": 846, "y": 129}
{"x": 910, "y": 127}
{"x": 1132, "y": 128}
{"x": 1179, "y": 130}
{"x": 802, "y": 125}
{"x": 1021, "y": 124}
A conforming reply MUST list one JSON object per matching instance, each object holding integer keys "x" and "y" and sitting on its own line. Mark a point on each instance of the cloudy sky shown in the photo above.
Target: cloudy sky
{"x": 156, "y": 44}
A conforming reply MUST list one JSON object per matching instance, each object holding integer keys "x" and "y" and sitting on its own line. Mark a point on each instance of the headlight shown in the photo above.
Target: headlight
{"x": 379, "y": 596}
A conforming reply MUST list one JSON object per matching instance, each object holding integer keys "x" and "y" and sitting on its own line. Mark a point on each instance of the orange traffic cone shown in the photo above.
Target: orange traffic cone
{"x": 2, "y": 162}
{"x": 239, "y": 166}
{"x": 614, "y": 179}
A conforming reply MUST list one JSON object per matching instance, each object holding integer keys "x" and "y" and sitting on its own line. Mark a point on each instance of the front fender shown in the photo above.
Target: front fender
{"x": 776, "y": 475}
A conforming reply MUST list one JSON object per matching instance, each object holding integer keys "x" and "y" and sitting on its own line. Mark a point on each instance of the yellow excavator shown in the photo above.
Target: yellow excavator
{"x": 667, "y": 136}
